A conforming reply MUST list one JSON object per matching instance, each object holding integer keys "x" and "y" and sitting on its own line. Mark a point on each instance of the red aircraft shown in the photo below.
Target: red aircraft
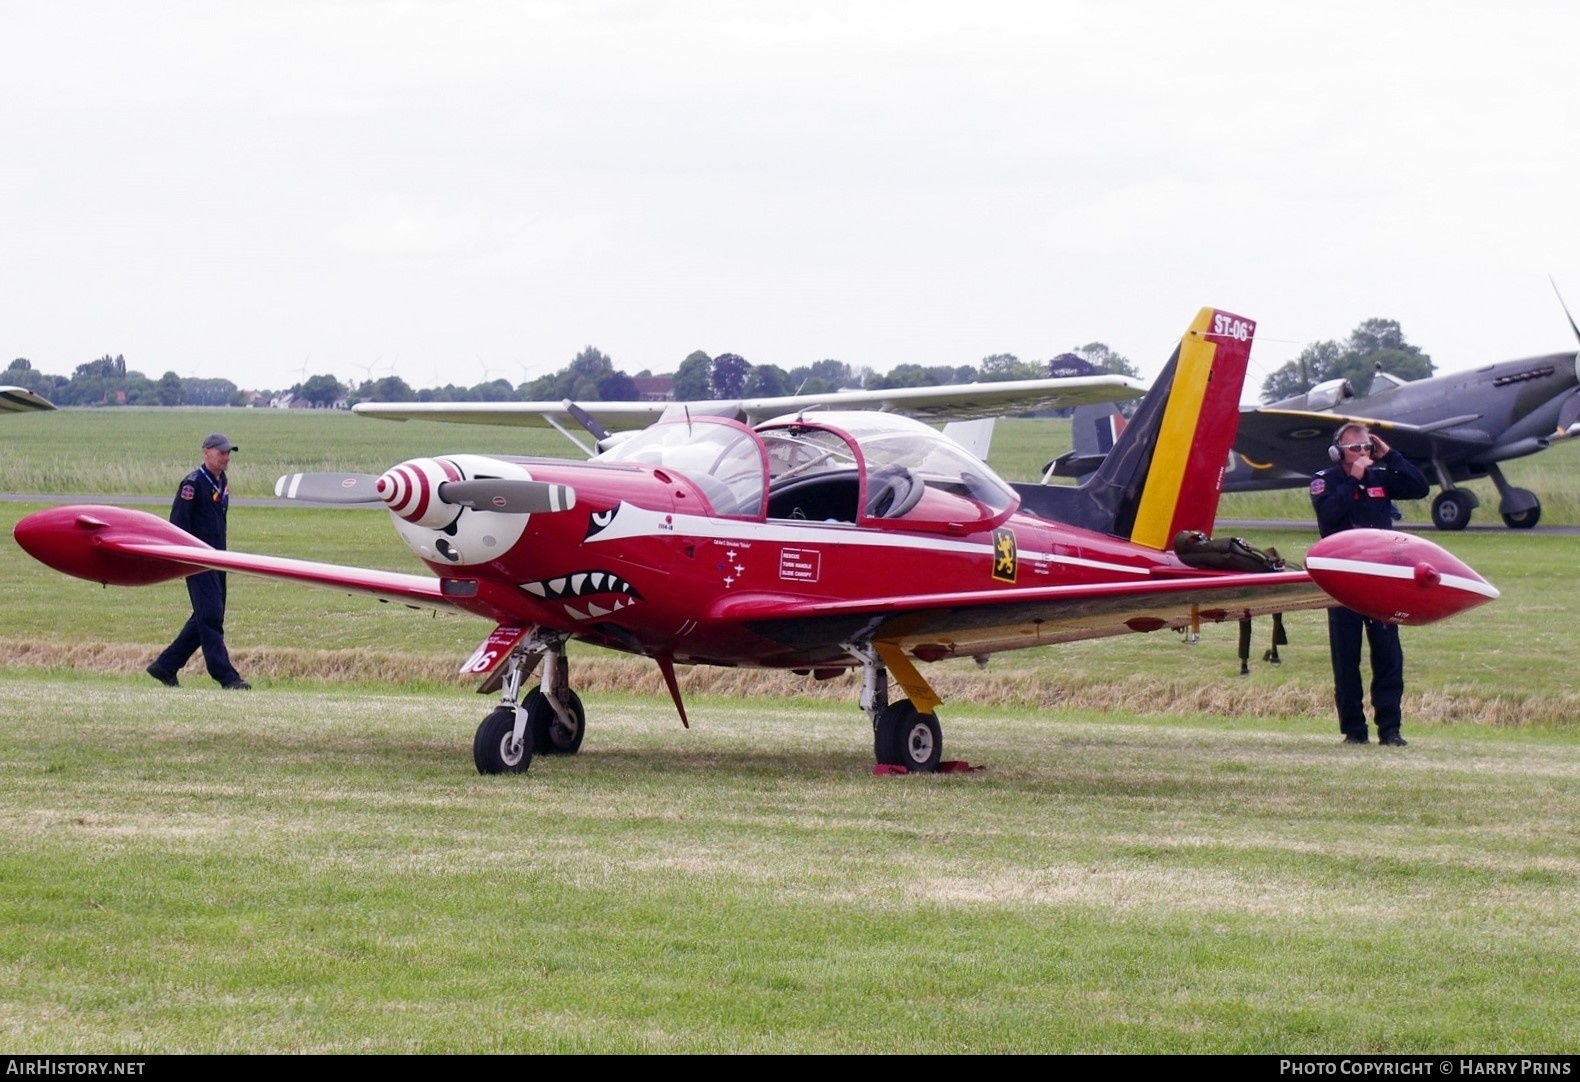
{"x": 820, "y": 542}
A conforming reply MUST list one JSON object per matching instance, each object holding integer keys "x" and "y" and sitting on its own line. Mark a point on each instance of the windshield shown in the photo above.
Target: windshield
{"x": 722, "y": 458}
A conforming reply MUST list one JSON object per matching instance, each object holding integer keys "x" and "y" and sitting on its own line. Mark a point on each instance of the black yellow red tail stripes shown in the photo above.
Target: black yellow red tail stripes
{"x": 1198, "y": 429}
{"x": 1166, "y": 469}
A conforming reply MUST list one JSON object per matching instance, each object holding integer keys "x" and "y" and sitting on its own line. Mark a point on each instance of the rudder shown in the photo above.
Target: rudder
{"x": 1166, "y": 470}
{"x": 1199, "y": 425}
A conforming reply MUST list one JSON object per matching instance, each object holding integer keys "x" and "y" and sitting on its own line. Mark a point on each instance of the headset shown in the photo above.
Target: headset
{"x": 1334, "y": 451}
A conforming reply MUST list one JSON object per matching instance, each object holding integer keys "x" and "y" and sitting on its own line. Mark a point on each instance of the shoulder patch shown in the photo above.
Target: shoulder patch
{"x": 188, "y": 492}
{"x": 1319, "y": 485}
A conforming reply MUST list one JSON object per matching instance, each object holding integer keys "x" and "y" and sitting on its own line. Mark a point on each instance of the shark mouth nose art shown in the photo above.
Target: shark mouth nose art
{"x": 581, "y": 587}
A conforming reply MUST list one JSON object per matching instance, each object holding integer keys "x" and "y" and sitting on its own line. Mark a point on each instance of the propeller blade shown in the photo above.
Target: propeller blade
{"x": 329, "y": 487}
{"x": 508, "y": 497}
{"x": 1565, "y": 307}
{"x": 587, "y": 421}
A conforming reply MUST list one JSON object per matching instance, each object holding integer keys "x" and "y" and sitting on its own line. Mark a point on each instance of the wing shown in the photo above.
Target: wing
{"x": 119, "y": 546}
{"x": 1385, "y": 574}
{"x": 967, "y": 624}
{"x": 960, "y": 401}
{"x": 22, "y": 400}
{"x": 1297, "y": 441}
{"x": 951, "y": 402}
{"x": 614, "y": 416}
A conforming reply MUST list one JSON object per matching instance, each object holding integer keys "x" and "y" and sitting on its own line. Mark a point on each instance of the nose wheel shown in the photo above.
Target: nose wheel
{"x": 495, "y": 748}
{"x": 548, "y": 720}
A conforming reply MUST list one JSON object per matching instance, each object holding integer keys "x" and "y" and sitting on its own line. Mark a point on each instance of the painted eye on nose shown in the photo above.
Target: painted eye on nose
{"x": 599, "y": 520}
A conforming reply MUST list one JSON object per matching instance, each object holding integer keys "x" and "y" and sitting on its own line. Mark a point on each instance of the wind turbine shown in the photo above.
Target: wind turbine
{"x": 488, "y": 373}
{"x": 367, "y": 369}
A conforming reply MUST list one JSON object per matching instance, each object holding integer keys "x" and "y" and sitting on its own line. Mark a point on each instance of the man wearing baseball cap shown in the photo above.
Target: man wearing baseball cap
{"x": 199, "y": 508}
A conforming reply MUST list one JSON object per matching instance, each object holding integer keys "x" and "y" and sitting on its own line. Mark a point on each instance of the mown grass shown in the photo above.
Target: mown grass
{"x": 321, "y": 871}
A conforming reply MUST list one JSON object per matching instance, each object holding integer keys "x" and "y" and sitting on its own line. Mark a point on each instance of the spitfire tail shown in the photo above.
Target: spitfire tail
{"x": 1165, "y": 472}
{"x": 1094, "y": 429}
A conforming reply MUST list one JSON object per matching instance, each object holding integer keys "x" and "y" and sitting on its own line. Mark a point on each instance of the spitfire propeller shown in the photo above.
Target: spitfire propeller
{"x": 425, "y": 491}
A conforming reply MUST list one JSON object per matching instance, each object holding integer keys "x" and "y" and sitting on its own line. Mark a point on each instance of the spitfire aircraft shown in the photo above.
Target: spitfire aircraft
{"x": 1455, "y": 427}
{"x": 824, "y": 542}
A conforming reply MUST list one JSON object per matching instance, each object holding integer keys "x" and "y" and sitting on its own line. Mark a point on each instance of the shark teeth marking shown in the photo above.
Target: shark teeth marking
{"x": 585, "y": 584}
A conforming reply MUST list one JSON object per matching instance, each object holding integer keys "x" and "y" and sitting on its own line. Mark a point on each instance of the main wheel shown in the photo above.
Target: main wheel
{"x": 1524, "y": 520}
{"x": 550, "y": 735}
{"x": 494, "y": 749}
{"x": 1451, "y": 510}
{"x": 905, "y": 737}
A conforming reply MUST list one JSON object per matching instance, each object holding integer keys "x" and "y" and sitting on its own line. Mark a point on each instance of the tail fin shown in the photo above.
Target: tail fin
{"x": 1094, "y": 429}
{"x": 1165, "y": 472}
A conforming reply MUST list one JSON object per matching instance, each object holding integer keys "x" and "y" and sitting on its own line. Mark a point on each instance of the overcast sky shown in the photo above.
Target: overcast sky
{"x": 468, "y": 190}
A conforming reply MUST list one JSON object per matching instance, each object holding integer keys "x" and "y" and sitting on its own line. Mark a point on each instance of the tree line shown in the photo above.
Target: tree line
{"x": 591, "y": 376}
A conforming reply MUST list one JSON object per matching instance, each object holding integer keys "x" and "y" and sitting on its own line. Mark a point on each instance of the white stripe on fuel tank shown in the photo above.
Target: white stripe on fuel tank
{"x": 1393, "y": 571}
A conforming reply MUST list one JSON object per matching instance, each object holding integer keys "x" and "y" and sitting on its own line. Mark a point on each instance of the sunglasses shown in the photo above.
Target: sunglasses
{"x": 1355, "y": 447}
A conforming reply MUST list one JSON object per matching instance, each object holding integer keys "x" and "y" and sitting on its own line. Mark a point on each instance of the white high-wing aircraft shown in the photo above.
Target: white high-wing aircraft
{"x": 22, "y": 400}
{"x": 968, "y": 407}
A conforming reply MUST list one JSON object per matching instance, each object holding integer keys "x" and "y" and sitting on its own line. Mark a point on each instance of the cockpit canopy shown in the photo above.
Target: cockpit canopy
{"x": 843, "y": 467}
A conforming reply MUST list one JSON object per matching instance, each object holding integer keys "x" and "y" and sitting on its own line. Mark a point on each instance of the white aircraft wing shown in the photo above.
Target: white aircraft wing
{"x": 951, "y": 402}
{"x": 20, "y": 399}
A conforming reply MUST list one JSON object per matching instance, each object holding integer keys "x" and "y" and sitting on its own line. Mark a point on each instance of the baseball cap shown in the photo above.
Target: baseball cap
{"x": 220, "y": 442}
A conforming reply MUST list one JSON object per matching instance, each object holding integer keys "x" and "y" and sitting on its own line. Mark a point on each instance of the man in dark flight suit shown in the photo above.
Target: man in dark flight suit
{"x": 199, "y": 509}
{"x": 1358, "y": 493}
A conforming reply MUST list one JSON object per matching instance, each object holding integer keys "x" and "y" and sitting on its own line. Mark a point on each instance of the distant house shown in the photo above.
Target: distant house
{"x": 654, "y": 388}
{"x": 288, "y": 401}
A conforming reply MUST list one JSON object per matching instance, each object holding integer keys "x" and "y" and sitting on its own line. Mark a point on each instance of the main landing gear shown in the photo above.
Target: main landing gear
{"x": 903, "y": 734}
{"x": 548, "y": 721}
{"x": 1518, "y": 507}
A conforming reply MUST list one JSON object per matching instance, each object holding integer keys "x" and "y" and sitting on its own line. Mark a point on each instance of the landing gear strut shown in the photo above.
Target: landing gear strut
{"x": 1519, "y": 507}
{"x": 902, "y": 734}
{"x": 548, "y": 721}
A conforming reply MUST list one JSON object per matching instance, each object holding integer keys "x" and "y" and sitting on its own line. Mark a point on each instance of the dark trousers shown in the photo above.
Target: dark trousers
{"x": 205, "y": 629}
{"x": 1344, "y": 644}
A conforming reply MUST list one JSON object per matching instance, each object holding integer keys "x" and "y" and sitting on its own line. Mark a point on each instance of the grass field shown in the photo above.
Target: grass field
{"x": 1158, "y": 856}
{"x": 321, "y": 871}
